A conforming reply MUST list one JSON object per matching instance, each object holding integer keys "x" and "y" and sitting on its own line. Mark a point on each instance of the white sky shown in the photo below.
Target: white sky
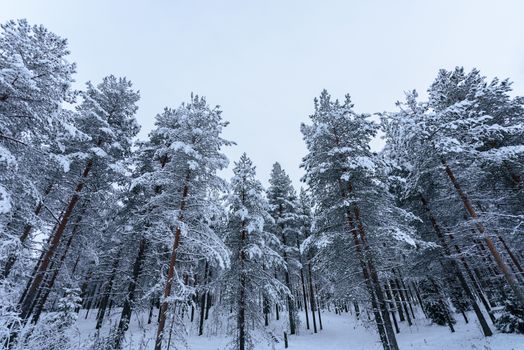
{"x": 265, "y": 61}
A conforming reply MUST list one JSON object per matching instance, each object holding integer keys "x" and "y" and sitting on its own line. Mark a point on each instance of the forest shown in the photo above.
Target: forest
{"x": 108, "y": 241}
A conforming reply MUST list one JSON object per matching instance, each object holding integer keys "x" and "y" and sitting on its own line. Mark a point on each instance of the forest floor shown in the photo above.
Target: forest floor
{"x": 339, "y": 332}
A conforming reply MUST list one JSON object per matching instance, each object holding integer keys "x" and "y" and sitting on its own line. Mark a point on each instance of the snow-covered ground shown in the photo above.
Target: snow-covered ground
{"x": 339, "y": 332}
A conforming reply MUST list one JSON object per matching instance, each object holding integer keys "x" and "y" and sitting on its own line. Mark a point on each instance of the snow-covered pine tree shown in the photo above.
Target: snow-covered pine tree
{"x": 419, "y": 183}
{"x": 253, "y": 257}
{"x": 106, "y": 117}
{"x": 283, "y": 209}
{"x": 354, "y": 204}
{"x": 52, "y": 333}
{"x": 469, "y": 128}
{"x": 187, "y": 148}
{"x": 35, "y": 80}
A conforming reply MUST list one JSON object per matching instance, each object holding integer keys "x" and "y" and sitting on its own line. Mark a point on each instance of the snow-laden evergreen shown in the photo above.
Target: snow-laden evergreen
{"x": 251, "y": 283}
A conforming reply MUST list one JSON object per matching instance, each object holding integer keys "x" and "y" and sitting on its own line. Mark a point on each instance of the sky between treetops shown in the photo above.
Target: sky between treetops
{"x": 263, "y": 62}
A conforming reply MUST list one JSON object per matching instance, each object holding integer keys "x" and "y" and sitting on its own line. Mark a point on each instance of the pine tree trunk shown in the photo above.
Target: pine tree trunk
{"x": 44, "y": 264}
{"x": 11, "y": 260}
{"x": 407, "y": 293}
{"x": 365, "y": 272}
{"x": 376, "y": 283}
{"x": 440, "y": 235}
{"x": 127, "y": 308}
{"x": 171, "y": 270}
{"x": 107, "y": 294}
{"x": 209, "y": 302}
{"x": 319, "y": 314}
{"x": 312, "y": 297}
{"x": 398, "y": 303}
{"x": 389, "y": 295}
{"x": 241, "y": 320}
{"x": 304, "y": 295}
{"x": 203, "y": 304}
{"x": 403, "y": 301}
{"x": 513, "y": 257}
{"x": 49, "y": 284}
{"x": 290, "y": 305}
{"x": 489, "y": 242}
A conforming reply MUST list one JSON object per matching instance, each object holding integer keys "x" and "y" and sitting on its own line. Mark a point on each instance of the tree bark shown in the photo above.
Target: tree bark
{"x": 312, "y": 297}
{"x": 44, "y": 264}
{"x": 27, "y": 230}
{"x": 392, "y": 340}
{"x": 107, "y": 294}
{"x": 171, "y": 270}
{"x": 489, "y": 242}
{"x": 127, "y": 308}
{"x": 440, "y": 235}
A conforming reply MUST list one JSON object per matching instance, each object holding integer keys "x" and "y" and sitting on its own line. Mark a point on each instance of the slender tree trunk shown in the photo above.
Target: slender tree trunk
{"x": 465, "y": 287}
{"x": 303, "y": 283}
{"x": 127, "y": 308}
{"x": 398, "y": 302}
{"x": 107, "y": 294}
{"x": 49, "y": 284}
{"x": 203, "y": 304}
{"x": 209, "y": 302}
{"x": 365, "y": 272}
{"x": 378, "y": 288}
{"x": 11, "y": 260}
{"x": 489, "y": 242}
{"x": 304, "y": 295}
{"x": 513, "y": 257}
{"x": 389, "y": 295}
{"x": 42, "y": 268}
{"x": 381, "y": 318}
{"x": 319, "y": 314}
{"x": 403, "y": 301}
{"x": 357, "y": 310}
{"x": 407, "y": 293}
{"x": 171, "y": 270}
{"x": 241, "y": 319}
{"x": 312, "y": 297}
{"x": 290, "y": 305}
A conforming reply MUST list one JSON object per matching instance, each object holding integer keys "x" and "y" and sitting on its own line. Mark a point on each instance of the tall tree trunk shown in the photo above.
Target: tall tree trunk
{"x": 49, "y": 284}
{"x": 11, "y": 260}
{"x": 312, "y": 296}
{"x": 127, "y": 308}
{"x": 290, "y": 305}
{"x": 398, "y": 302}
{"x": 389, "y": 295}
{"x": 458, "y": 272}
{"x": 489, "y": 242}
{"x": 319, "y": 313}
{"x": 303, "y": 286}
{"x": 241, "y": 319}
{"x": 381, "y": 318}
{"x": 203, "y": 304}
{"x": 376, "y": 282}
{"x": 107, "y": 294}
{"x": 44, "y": 264}
{"x": 403, "y": 301}
{"x": 365, "y": 272}
{"x": 171, "y": 269}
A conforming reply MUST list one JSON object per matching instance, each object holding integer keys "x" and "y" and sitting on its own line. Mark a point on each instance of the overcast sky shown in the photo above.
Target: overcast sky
{"x": 265, "y": 61}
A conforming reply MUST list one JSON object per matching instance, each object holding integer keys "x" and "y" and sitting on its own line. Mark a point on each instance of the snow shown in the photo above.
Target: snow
{"x": 5, "y": 201}
{"x": 341, "y": 331}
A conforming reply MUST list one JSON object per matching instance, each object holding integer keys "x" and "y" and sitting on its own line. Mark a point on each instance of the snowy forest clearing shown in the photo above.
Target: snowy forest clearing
{"x": 339, "y": 332}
